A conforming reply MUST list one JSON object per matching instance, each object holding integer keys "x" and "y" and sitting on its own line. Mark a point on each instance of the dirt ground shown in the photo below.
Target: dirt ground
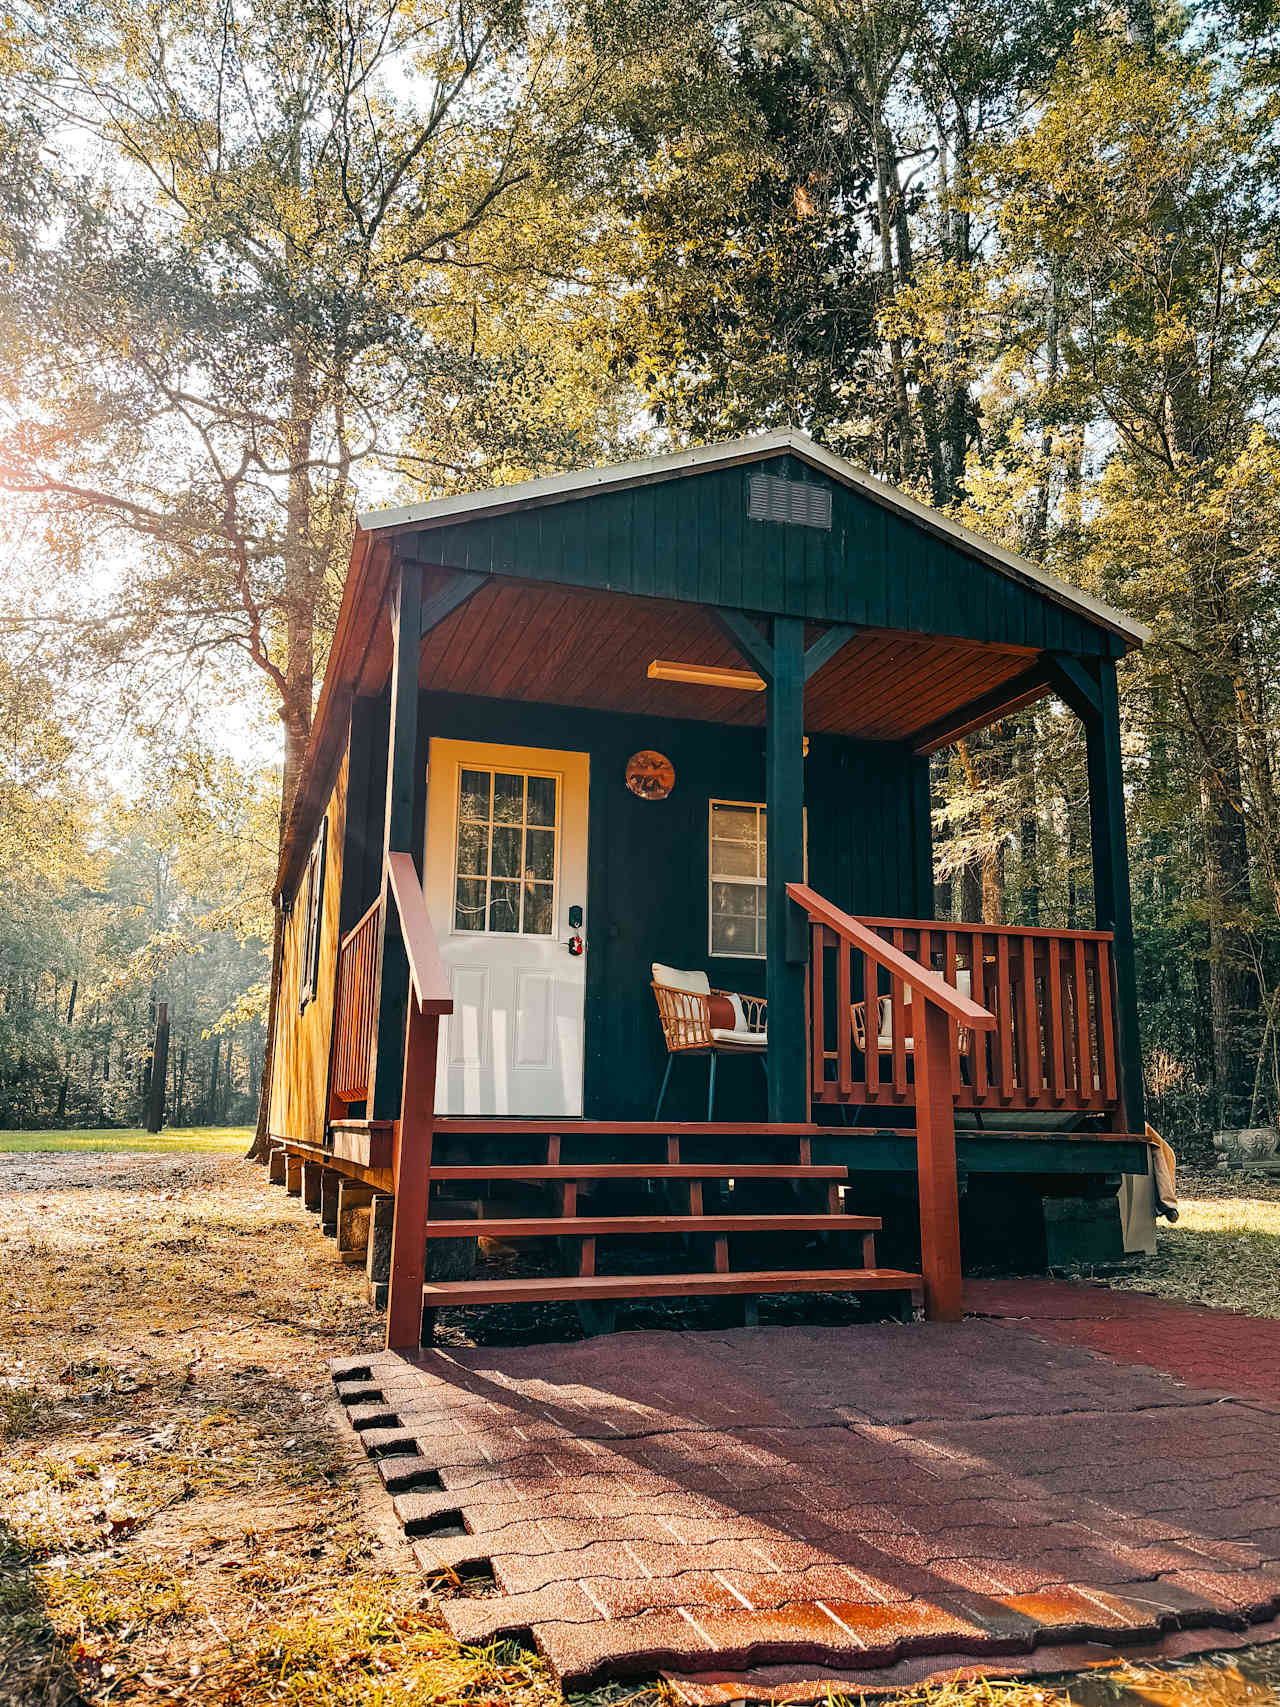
{"x": 183, "y": 1515}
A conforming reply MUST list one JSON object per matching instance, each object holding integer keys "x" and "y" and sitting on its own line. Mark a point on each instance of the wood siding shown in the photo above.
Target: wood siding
{"x": 869, "y": 850}
{"x": 300, "y": 1065}
{"x": 691, "y": 539}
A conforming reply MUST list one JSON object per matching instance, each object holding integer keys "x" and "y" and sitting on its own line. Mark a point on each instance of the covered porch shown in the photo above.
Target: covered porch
{"x": 800, "y": 671}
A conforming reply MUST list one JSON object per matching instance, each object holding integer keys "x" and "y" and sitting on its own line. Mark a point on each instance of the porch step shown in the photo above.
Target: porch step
{"x": 511, "y": 1171}
{"x": 604, "y": 1226}
{"x": 588, "y": 1288}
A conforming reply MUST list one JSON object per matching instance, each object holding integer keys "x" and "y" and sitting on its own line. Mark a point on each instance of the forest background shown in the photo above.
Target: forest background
{"x": 262, "y": 264}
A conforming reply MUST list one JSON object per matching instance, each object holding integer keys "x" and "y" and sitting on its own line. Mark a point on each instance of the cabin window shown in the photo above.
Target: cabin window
{"x": 505, "y": 875}
{"x": 737, "y": 878}
{"x": 312, "y": 912}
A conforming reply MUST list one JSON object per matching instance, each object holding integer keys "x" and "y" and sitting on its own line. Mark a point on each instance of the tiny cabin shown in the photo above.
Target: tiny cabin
{"x": 608, "y": 896}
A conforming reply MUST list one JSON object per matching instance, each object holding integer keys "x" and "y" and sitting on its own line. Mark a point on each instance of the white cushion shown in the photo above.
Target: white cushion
{"x": 695, "y": 983}
{"x": 884, "y": 1038}
{"x": 748, "y": 1039}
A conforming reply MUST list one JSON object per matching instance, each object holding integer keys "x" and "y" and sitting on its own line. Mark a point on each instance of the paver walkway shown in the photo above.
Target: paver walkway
{"x": 833, "y": 1500}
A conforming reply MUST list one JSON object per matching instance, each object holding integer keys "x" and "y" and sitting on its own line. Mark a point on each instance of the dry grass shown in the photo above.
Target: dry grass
{"x": 1223, "y": 1250}
{"x": 182, "y": 1517}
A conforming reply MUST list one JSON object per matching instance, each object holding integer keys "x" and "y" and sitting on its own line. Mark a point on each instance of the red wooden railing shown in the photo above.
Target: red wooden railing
{"x": 938, "y": 1013}
{"x": 355, "y": 1008}
{"x": 1052, "y": 1046}
{"x": 411, "y": 1162}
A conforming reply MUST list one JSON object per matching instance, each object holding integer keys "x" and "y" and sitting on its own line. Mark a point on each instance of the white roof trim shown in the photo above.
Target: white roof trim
{"x": 555, "y": 488}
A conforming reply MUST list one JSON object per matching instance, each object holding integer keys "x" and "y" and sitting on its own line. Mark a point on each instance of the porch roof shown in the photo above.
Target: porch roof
{"x": 590, "y": 576}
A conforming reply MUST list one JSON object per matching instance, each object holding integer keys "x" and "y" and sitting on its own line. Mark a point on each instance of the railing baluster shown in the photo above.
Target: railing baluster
{"x": 817, "y": 1010}
{"x": 1106, "y": 1024}
{"x": 898, "y": 1027}
{"x": 1057, "y": 1078}
{"x": 1032, "y": 1066}
{"x": 1003, "y": 1033}
{"x": 978, "y": 1043}
{"x": 1084, "y": 1057}
{"x": 844, "y": 1023}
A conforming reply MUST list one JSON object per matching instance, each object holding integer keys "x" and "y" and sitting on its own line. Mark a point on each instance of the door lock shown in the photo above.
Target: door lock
{"x": 575, "y": 944}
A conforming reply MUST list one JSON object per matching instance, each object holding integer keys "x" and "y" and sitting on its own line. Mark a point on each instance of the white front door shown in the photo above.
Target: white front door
{"x": 506, "y": 867}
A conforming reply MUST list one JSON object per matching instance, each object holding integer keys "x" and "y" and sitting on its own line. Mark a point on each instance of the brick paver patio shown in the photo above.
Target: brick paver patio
{"x": 751, "y": 1508}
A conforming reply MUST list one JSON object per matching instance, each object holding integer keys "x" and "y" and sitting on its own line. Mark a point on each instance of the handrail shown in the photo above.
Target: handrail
{"x": 361, "y": 922}
{"x": 931, "y": 985}
{"x": 1045, "y": 931}
{"x": 426, "y": 970}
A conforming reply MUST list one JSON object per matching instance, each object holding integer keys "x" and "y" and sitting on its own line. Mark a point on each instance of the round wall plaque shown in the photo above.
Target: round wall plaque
{"x": 650, "y": 775}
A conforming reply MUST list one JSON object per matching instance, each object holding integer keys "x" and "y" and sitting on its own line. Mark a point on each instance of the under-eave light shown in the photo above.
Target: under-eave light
{"x": 706, "y": 675}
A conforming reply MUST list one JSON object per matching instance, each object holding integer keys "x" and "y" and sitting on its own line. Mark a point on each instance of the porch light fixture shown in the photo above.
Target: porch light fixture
{"x": 705, "y": 675}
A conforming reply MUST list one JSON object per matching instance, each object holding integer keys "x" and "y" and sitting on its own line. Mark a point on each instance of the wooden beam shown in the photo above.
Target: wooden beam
{"x": 1010, "y": 696}
{"x": 462, "y": 583}
{"x": 385, "y": 1064}
{"x": 826, "y": 646}
{"x": 1073, "y": 684}
{"x": 785, "y": 939}
{"x": 747, "y": 638}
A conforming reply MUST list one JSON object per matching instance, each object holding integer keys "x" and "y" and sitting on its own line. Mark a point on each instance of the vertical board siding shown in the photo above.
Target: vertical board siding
{"x": 690, "y": 538}
{"x": 300, "y": 1062}
{"x": 648, "y": 876}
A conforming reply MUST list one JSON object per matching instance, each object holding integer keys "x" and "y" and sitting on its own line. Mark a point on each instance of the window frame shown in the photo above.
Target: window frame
{"x": 312, "y": 892}
{"x": 760, "y": 809}
{"x": 556, "y": 827}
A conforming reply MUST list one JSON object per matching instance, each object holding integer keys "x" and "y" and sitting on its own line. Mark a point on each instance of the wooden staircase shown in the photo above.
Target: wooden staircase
{"x": 722, "y": 1209}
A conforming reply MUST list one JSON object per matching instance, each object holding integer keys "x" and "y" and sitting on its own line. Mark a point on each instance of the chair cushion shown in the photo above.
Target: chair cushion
{"x": 696, "y": 983}
{"x": 743, "y": 1038}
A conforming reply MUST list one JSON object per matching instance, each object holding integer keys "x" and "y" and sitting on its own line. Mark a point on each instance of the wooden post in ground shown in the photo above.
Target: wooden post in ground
{"x": 312, "y": 1173}
{"x": 936, "y": 1167}
{"x": 293, "y": 1175}
{"x": 413, "y": 1182}
{"x": 159, "y": 1069}
{"x": 330, "y": 1179}
{"x": 276, "y": 1164}
{"x": 353, "y": 1221}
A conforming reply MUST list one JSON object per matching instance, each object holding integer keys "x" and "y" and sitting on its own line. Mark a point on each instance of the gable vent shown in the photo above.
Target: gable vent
{"x": 796, "y": 503}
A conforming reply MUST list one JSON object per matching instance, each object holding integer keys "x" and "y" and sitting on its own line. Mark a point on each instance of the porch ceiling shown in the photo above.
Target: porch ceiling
{"x": 569, "y": 646}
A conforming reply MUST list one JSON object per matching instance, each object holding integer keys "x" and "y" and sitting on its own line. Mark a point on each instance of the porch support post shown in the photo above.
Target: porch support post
{"x": 786, "y": 932}
{"x": 1111, "y": 899}
{"x": 1089, "y": 688}
{"x": 386, "y": 1063}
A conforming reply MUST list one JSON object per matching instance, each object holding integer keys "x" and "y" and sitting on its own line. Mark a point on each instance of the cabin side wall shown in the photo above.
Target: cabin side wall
{"x": 300, "y": 1061}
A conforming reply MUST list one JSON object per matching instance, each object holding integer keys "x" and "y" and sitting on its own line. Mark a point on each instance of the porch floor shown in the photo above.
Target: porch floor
{"x": 769, "y": 1512}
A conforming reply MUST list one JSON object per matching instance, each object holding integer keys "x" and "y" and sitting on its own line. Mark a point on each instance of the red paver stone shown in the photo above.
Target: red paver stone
{"x": 839, "y": 1498}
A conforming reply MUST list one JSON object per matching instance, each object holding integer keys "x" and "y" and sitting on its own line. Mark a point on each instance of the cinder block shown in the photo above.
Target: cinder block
{"x": 377, "y": 1264}
{"x": 353, "y": 1220}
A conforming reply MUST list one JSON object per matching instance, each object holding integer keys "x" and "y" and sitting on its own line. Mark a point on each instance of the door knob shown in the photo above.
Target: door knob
{"x": 575, "y": 944}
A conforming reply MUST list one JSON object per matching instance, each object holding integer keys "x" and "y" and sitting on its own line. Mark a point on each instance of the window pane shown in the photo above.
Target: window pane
{"x": 506, "y": 850}
{"x": 542, "y": 800}
{"x": 468, "y": 906}
{"x": 473, "y": 849}
{"x": 508, "y": 799}
{"x": 734, "y": 823}
{"x": 504, "y": 906}
{"x": 539, "y": 854}
{"x": 735, "y": 908}
{"x": 538, "y": 919}
{"x": 733, "y": 859}
{"x": 474, "y": 796}
{"x": 761, "y": 912}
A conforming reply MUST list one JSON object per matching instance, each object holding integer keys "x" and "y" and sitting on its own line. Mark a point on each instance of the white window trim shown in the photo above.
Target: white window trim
{"x": 504, "y": 770}
{"x": 758, "y": 806}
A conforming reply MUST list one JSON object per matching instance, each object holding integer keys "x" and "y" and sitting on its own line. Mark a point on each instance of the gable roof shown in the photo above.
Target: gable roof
{"x": 615, "y": 477}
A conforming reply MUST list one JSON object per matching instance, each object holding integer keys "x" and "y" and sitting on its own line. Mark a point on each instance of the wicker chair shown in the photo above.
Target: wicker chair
{"x": 690, "y": 1009}
{"x": 883, "y": 1044}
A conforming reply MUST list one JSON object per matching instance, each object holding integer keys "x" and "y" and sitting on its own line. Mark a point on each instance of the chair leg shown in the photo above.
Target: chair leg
{"x": 662, "y": 1093}
{"x": 711, "y": 1088}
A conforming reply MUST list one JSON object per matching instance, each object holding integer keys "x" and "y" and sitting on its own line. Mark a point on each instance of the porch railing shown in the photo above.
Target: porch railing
{"x": 1052, "y": 1043}
{"x": 355, "y": 1008}
{"x": 938, "y": 1012}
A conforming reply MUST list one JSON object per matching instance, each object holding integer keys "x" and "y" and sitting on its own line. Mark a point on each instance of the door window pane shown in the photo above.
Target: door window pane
{"x": 505, "y": 876}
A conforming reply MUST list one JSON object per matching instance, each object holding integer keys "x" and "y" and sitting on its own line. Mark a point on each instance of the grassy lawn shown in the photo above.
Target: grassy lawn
{"x": 181, "y": 1520}
{"x": 1223, "y": 1250}
{"x": 182, "y": 1140}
